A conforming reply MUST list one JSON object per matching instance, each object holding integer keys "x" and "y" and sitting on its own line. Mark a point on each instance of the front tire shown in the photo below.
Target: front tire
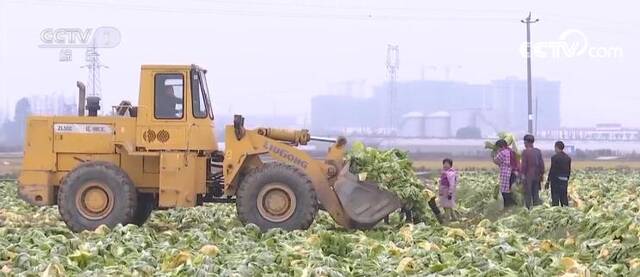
{"x": 96, "y": 193}
{"x": 277, "y": 195}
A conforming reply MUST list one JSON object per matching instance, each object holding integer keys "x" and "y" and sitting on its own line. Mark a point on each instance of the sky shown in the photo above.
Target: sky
{"x": 271, "y": 57}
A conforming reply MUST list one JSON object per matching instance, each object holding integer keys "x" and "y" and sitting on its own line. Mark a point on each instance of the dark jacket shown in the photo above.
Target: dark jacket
{"x": 560, "y": 167}
{"x": 532, "y": 164}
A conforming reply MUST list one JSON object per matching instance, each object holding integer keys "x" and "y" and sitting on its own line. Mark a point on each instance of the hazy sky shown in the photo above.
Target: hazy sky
{"x": 267, "y": 57}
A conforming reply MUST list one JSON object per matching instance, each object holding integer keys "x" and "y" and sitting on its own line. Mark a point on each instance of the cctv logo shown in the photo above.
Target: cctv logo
{"x": 102, "y": 37}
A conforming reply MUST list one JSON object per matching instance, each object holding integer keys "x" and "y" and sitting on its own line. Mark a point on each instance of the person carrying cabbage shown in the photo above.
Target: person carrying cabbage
{"x": 502, "y": 158}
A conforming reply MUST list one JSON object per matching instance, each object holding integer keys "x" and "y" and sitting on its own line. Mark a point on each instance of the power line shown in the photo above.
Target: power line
{"x": 365, "y": 16}
{"x": 363, "y": 13}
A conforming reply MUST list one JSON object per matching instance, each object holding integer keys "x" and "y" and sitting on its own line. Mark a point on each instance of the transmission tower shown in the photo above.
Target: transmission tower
{"x": 393, "y": 63}
{"x": 93, "y": 65}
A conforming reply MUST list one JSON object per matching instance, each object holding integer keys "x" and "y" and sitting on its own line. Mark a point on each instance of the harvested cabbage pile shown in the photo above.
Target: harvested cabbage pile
{"x": 599, "y": 236}
{"x": 391, "y": 170}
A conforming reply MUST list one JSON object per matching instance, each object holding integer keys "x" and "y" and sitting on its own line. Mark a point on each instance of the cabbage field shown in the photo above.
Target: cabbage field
{"x": 598, "y": 236}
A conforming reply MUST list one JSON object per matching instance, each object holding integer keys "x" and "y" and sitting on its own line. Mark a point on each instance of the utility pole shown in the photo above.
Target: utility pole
{"x": 393, "y": 63}
{"x": 528, "y": 21}
{"x": 537, "y": 112}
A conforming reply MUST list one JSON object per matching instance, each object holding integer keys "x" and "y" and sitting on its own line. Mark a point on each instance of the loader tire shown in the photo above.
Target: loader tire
{"x": 146, "y": 204}
{"x": 277, "y": 195}
{"x": 96, "y": 193}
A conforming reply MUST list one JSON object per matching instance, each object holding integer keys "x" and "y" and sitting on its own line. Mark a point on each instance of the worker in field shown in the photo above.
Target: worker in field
{"x": 532, "y": 168}
{"x": 559, "y": 174}
{"x": 447, "y": 189}
{"x": 503, "y": 160}
{"x": 408, "y": 215}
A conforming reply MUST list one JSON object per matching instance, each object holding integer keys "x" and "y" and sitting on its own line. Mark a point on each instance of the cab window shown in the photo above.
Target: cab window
{"x": 169, "y": 96}
{"x": 198, "y": 98}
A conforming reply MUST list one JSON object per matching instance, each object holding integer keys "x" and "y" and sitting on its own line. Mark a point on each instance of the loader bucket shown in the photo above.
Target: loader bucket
{"x": 364, "y": 203}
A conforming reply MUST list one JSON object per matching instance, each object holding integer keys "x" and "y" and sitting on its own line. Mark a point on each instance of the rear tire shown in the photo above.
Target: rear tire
{"x": 277, "y": 195}
{"x": 96, "y": 193}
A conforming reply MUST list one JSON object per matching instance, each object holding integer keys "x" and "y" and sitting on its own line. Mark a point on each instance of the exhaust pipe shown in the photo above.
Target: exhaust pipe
{"x": 93, "y": 105}
{"x": 81, "y": 97}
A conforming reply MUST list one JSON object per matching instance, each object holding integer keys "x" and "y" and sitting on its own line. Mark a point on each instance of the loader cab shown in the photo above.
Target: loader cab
{"x": 174, "y": 112}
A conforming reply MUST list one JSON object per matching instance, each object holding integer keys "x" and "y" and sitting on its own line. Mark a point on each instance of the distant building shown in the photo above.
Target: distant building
{"x": 498, "y": 106}
{"x": 458, "y": 99}
{"x": 53, "y": 104}
{"x": 337, "y": 113}
{"x": 4, "y": 116}
{"x": 601, "y": 132}
{"x": 412, "y": 125}
{"x": 438, "y": 125}
{"x": 508, "y": 104}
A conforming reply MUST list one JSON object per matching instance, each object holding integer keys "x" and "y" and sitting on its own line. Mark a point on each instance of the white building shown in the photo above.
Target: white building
{"x": 608, "y": 132}
{"x": 52, "y": 104}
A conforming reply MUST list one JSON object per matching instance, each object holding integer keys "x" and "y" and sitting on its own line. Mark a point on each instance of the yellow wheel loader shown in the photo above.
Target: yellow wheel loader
{"x": 163, "y": 153}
